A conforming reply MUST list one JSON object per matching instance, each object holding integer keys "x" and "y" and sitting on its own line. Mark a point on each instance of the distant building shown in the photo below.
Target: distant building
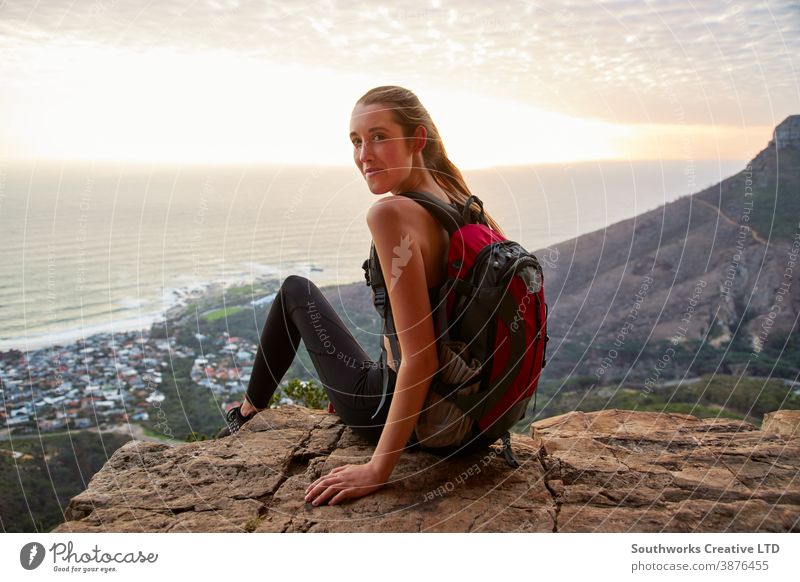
{"x": 264, "y": 300}
{"x": 156, "y": 396}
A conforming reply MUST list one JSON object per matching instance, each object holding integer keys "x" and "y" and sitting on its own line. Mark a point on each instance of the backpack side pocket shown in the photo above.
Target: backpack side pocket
{"x": 441, "y": 423}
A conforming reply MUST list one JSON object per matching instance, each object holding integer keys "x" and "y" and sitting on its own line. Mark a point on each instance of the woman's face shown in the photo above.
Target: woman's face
{"x": 381, "y": 152}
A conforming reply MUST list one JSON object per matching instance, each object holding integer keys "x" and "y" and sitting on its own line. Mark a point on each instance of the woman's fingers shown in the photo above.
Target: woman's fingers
{"x": 322, "y": 482}
{"x": 350, "y": 482}
{"x": 329, "y": 491}
{"x": 341, "y": 496}
{"x": 323, "y": 477}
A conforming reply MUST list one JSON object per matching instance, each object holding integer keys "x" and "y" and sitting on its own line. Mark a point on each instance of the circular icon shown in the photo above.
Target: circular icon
{"x": 31, "y": 555}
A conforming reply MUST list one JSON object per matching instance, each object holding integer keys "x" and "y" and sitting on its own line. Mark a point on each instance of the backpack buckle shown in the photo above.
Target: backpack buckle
{"x": 365, "y": 266}
{"x": 379, "y": 296}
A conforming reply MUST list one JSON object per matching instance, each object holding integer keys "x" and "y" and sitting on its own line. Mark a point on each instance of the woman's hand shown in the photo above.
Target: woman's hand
{"x": 345, "y": 482}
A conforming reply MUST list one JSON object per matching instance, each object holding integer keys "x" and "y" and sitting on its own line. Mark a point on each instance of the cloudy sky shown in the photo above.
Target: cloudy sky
{"x": 506, "y": 83}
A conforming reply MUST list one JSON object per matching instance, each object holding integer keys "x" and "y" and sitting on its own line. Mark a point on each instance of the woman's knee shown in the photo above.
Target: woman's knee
{"x": 296, "y": 288}
{"x": 296, "y": 283}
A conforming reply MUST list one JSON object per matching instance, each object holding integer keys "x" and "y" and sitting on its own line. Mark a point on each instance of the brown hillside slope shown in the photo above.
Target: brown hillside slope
{"x": 726, "y": 257}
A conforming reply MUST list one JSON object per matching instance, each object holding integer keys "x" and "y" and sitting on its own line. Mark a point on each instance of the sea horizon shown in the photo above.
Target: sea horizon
{"x": 99, "y": 248}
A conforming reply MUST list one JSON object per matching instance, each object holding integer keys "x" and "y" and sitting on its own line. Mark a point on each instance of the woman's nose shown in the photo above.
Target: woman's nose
{"x": 365, "y": 151}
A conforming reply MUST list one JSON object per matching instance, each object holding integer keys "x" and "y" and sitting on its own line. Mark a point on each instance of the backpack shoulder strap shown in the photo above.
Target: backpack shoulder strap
{"x": 447, "y": 215}
{"x": 380, "y": 298}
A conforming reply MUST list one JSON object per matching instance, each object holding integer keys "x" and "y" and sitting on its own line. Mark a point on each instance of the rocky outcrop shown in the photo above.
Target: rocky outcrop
{"x": 587, "y": 472}
{"x": 628, "y": 471}
{"x": 782, "y": 422}
{"x": 787, "y": 133}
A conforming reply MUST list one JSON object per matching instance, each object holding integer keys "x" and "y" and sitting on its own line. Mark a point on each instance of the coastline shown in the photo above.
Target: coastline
{"x": 205, "y": 293}
{"x": 204, "y": 345}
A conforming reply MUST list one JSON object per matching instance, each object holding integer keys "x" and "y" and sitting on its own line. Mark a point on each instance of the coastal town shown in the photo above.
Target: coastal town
{"x": 109, "y": 380}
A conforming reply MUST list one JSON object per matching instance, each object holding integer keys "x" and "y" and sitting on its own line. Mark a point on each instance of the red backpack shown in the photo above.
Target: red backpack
{"x": 491, "y": 329}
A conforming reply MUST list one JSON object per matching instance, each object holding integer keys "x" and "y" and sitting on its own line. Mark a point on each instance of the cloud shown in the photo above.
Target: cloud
{"x": 532, "y": 52}
{"x": 619, "y": 62}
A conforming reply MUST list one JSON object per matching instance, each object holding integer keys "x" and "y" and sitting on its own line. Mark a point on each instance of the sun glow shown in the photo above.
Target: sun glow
{"x": 94, "y": 102}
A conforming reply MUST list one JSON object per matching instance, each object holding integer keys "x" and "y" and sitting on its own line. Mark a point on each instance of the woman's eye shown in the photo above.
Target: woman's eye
{"x": 376, "y": 137}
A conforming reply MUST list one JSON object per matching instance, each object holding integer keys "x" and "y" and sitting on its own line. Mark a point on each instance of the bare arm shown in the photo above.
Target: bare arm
{"x": 398, "y": 247}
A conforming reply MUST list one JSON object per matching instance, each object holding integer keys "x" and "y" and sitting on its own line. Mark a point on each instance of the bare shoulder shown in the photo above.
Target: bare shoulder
{"x": 395, "y": 218}
{"x": 401, "y": 212}
{"x": 392, "y": 208}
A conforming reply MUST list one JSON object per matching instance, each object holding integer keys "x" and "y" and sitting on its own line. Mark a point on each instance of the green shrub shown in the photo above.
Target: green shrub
{"x": 308, "y": 394}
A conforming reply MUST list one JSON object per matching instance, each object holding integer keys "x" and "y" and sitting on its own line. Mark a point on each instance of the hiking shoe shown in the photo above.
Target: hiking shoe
{"x": 234, "y": 421}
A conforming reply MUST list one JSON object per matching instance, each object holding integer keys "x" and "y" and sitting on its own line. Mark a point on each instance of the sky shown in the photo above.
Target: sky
{"x": 506, "y": 83}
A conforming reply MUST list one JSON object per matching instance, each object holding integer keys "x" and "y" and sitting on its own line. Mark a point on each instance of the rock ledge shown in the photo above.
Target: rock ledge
{"x": 608, "y": 471}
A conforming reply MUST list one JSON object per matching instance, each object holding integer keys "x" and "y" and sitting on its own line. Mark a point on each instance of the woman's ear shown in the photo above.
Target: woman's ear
{"x": 420, "y": 139}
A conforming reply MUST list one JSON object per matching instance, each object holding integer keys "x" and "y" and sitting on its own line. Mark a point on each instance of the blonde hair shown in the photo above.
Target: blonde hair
{"x": 409, "y": 113}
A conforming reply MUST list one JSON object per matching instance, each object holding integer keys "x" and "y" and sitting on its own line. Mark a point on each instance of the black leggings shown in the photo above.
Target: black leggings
{"x": 352, "y": 380}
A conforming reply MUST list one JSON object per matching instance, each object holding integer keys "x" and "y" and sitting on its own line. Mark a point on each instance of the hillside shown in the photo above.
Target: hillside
{"x": 714, "y": 267}
{"x": 38, "y": 476}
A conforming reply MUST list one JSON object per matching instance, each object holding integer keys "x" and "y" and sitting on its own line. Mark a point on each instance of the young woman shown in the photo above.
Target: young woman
{"x": 397, "y": 148}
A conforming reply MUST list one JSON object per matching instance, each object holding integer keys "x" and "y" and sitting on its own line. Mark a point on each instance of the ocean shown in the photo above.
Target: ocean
{"x": 89, "y": 248}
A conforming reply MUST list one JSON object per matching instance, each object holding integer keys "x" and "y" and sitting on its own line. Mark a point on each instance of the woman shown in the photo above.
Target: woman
{"x": 397, "y": 148}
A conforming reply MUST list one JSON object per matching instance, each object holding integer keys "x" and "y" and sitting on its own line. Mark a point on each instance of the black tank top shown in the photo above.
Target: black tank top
{"x": 433, "y": 295}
